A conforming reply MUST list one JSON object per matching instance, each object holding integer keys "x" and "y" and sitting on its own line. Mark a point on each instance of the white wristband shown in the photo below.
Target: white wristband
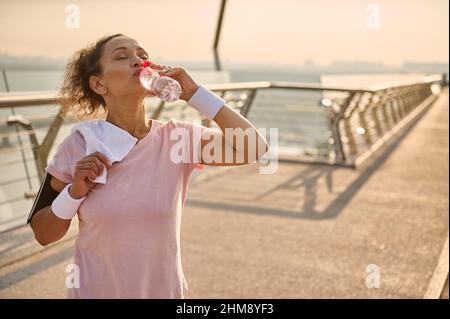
{"x": 206, "y": 102}
{"x": 65, "y": 206}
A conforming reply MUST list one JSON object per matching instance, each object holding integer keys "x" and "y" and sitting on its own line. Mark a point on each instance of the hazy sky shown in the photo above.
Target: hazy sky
{"x": 273, "y": 31}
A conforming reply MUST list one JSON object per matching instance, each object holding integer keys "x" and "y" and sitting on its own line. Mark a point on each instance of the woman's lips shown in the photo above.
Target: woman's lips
{"x": 136, "y": 73}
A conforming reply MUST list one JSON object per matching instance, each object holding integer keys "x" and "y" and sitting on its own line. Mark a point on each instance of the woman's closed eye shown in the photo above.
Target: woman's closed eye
{"x": 125, "y": 57}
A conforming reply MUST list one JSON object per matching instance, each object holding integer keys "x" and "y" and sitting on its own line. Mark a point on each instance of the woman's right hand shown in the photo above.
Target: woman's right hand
{"x": 90, "y": 166}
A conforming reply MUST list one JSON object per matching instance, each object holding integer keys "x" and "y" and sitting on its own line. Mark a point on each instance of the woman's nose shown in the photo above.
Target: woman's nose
{"x": 138, "y": 62}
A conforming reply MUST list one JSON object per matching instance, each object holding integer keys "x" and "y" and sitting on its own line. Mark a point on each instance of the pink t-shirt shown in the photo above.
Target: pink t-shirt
{"x": 128, "y": 244}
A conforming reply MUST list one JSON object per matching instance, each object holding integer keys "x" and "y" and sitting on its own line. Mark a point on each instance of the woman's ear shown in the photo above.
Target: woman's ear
{"x": 96, "y": 85}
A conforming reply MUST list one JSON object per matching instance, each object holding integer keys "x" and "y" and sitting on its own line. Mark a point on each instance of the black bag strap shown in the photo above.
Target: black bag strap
{"x": 45, "y": 196}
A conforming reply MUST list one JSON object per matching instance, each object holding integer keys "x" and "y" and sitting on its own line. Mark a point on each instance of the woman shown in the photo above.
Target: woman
{"x": 128, "y": 245}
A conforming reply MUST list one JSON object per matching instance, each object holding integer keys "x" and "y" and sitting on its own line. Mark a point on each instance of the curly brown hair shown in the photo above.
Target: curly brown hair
{"x": 76, "y": 93}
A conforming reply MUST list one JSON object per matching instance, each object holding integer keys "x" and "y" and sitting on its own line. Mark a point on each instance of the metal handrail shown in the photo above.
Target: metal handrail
{"x": 32, "y": 98}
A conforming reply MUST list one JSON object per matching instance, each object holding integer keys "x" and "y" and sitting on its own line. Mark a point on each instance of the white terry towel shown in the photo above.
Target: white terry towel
{"x": 104, "y": 137}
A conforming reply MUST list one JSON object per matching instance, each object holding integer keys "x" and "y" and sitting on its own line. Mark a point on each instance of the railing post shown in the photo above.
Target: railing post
{"x": 157, "y": 112}
{"x": 387, "y": 121}
{"x": 44, "y": 149}
{"x": 245, "y": 109}
{"x": 375, "y": 105}
{"x": 349, "y": 133}
{"x": 401, "y": 104}
{"x": 336, "y": 130}
{"x": 362, "y": 109}
{"x": 393, "y": 108}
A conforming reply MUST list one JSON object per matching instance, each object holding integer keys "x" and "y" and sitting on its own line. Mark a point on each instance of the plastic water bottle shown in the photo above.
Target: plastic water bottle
{"x": 167, "y": 89}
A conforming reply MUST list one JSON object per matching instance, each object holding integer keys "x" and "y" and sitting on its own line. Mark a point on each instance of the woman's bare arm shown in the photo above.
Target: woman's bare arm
{"x": 48, "y": 227}
{"x": 243, "y": 142}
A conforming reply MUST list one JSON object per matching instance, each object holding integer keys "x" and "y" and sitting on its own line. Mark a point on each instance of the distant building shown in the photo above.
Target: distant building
{"x": 435, "y": 68}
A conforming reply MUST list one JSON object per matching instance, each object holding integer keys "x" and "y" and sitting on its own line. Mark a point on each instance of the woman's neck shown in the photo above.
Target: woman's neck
{"x": 129, "y": 117}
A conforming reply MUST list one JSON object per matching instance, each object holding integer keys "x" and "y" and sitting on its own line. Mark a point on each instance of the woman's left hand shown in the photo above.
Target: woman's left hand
{"x": 188, "y": 85}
